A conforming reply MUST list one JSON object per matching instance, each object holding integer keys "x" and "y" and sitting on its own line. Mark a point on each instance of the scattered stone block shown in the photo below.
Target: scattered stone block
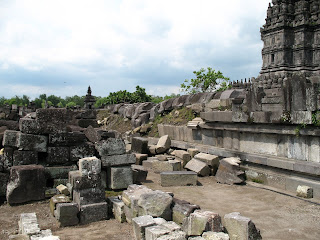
{"x": 10, "y": 138}
{"x": 19, "y": 237}
{"x": 94, "y": 135}
{"x": 89, "y": 166}
{"x": 52, "y": 120}
{"x": 63, "y": 189}
{"x": 178, "y": 178}
{"x": 201, "y": 221}
{"x": 82, "y": 151}
{"x": 28, "y": 224}
{"x": 7, "y": 158}
{"x": 60, "y": 198}
{"x": 172, "y": 226}
{"x": 229, "y": 171}
{"x": 56, "y": 172}
{"x": 240, "y": 227}
{"x": 215, "y": 236}
{"x": 140, "y": 158}
{"x": 111, "y": 146}
{"x": 163, "y": 144}
{"x": 119, "y": 177}
{"x": 196, "y": 238}
{"x": 118, "y": 210}
{"x": 183, "y": 155}
{"x": 4, "y": 177}
{"x": 147, "y": 164}
{"x": 166, "y": 166}
{"x": 159, "y": 221}
{"x": 162, "y": 157}
{"x": 193, "y": 152}
{"x": 30, "y": 142}
{"x": 29, "y": 125}
{"x": 152, "y": 149}
{"x": 210, "y": 160}
{"x": 67, "y": 214}
{"x": 305, "y": 191}
{"x": 140, "y": 224}
{"x": 156, "y": 204}
{"x": 118, "y": 160}
{"x": 88, "y": 196}
{"x": 139, "y": 145}
{"x": 201, "y": 168}
{"x": 93, "y": 212}
{"x": 67, "y": 139}
{"x": 153, "y": 232}
{"x": 26, "y": 183}
{"x": 139, "y": 173}
{"x": 182, "y": 209}
{"x": 58, "y": 155}
{"x": 24, "y": 157}
{"x": 176, "y": 235}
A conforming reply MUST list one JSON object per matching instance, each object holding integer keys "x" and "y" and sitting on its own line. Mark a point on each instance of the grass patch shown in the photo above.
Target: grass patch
{"x": 110, "y": 193}
{"x": 256, "y": 180}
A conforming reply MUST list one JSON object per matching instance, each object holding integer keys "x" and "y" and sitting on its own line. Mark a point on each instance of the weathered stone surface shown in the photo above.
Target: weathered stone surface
{"x": 140, "y": 224}
{"x": 140, "y": 158}
{"x": 162, "y": 157}
{"x": 147, "y": 164}
{"x": 63, "y": 189}
{"x": 152, "y": 149}
{"x": 26, "y": 183}
{"x": 4, "y": 177}
{"x": 19, "y": 237}
{"x": 28, "y": 224}
{"x": 229, "y": 171}
{"x": 201, "y": 221}
{"x": 66, "y": 139}
{"x": 118, "y": 210}
{"x": 111, "y": 146}
{"x": 24, "y": 157}
{"x": 240, "y": 227}
{"x": 139, "y": 173}
{"x": 176, "y": 235}
{"x": 67, "y": 214}
{"x": 89, "y": 166}
{"x": 156, "y": 204}
{"x": 119, "y": 177}
{"x": 95, "y": 135}
{"x": 52, "y": 120}
{"x": 78, "y": 181}
{"x": 163, "y": 144}
{"x": 153, "y": 232}
{"x": 215, "y": 236}
{"x": 82, "y": 151}
{"x": 178, "y": 178}
{"x": 182, "y": 209}
{"x": 118, "y": 160}
{"x": 201, "y": 168}
{"x": 166, "y": 166}
{"x": 7, "y": 158}
{"x": 184, "y": 155}
{"x": 10, "y": 138}
{"x": 60, "y": 198}
{"x": 196, "y": 238}
{"x": 30, "y": 142}
{"x": 305, "y": 191}
{"x": 59, "y": 172}
{"x": 139, "y": 145}
{"x": 93, "y": 212}
{"x": 210, "y": 160}
{"x": 58, "y": 155}
{"x": 29, "y": 125}
{"x": 88, "y": 196}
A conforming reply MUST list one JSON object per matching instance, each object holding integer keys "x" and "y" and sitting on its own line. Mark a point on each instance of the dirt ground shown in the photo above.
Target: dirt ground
{"x": 277, "y": 215}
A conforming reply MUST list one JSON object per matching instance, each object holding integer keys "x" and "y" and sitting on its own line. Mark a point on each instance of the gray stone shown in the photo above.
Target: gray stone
{"x": 210, "y": 160}
{"x": 29, "y": 125}
{"x": 4, "y": 177}
{"x": 229, "y": 171}
{"x": 10, "y": 138}
{"x": 147, "y": 164}
{"x": 118, "y": 210}
{"x": 172, "y": 226}
{"x": 182, "y": 209}
{"x": 118, "y": 160}
{"x": 67, "y": 139}
{"x": 178, "y": 178}
{"x": 201, "y": 168}
{"x": 216, "y": 116}
{"x": 63, "y": 189}
{"x": 166, "y": 166}
{"x": 163, "y": 144}
{"x": 57, "y": 155}
{"x": 215, "y": 236}
{"x": 162, "y": 157}
{"x": 196, "y": 238}
{"x": 88, "y": 196}
{"x": 52, "y": 120}
{"x": 176, "y": 235}
{"x": 89, "y": 166}
{"x": 82, "y": 151}
{"x": 140, "y": 224}
{"x": 153, "y": 232}
{"x": 240, "y": 227}
{"x": 139, "y": 173}
{"x": 95, "y": 135}
{"x": 111, "y": 146}
{"x": 19, "y": 237}
{"x": 119, "y": 177}
{"x": 60, "y": 198}
{"x": 93, "y": 212}
{"x": 26, "y": 183}
{"x": 28, "y": 224}
{"x": 139, "y": 145}
{"x": 305, "y": 191}
{"x": 152, "y": 149}
{"x": 140, "y": 158}
{"x": 29, "y": 142}
{"x": 24, "y": 157}
{"x": 184, "y": 155}
{"x": 67, "y": 214}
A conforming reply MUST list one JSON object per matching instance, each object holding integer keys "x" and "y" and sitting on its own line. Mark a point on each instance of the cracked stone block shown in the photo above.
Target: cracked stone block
{"x": 88, "y": 196}
{"x": 89, "y": 166}
{"x": 67, "y": 214}
{"x": 60, "y": 198}
{"x": 215, "y": 236}
{"x": 119, "y": 177}
{"x": 201, "y": 168}
{"x": 118, "y": 160}
{"x": 229, "y": 171}
{"x": 26, "y": 183}
{"x": 82, "y": 151}
{"x": 201, "y": 221}
{"x": 140, "y": 224}
{"x": 139, "y": 145}
{"x": 178, "y": 178}
{"x": 305, "y": 191}
{"x": 240, "y": 227}
{"x": 153, "y": 232}
{"x": 163, "y": 144}
{"x": 30, "y": 142}
{"x": 93, "y": 212}
{"x": 182, "y": 209}
{"x": 58, "y": 155}
{"x": 24, "y": 157}
{"x": 111, "y": 146}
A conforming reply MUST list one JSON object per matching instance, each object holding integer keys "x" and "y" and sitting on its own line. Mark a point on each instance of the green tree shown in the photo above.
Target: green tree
{"x": 71, "y": 104}
{"x": 205, "y": 81}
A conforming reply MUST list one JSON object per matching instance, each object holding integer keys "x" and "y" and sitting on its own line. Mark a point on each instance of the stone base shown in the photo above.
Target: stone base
{"x": 178, "y": 178}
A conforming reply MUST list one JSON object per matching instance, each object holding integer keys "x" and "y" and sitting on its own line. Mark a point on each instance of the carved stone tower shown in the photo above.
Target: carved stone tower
{"x": 90, "y": 100}
{"x": 291, "y": 37}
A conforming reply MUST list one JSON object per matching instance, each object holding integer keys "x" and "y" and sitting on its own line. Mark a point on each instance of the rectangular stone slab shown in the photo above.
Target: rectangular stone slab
{"x": 178, "y": 178}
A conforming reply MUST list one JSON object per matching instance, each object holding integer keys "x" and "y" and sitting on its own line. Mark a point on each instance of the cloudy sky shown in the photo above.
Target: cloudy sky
{"x": 62, "y": 46}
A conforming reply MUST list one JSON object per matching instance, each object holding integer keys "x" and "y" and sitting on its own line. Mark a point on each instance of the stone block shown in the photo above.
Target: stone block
{"x": 95, "y": 135}
{"x": 19, "y": 237}
{"x": 63, "y": 189}
{"x": 79, "y": 181}
{"x": 184, "y": 155}
{"x": 162, "y": 157}
{"x": 26, "y": 183}
{"x": 139, "y": 145}
{"x": 88, "y": 196}
{"x": 52, "y": 120}
{"x": 118, "y": 210}
{"x": 181, "y": 210}
{"x": 10, "y": 138}
{"x": 58, "y": 155}
{"x": 140, "y": 224}
{"x": 57, "y": 172}
{"x": 139, "y": 173}
{"x": 215, "y": 236}
{"x": 60, "y": 198}
{"x": 156, "y": 204}
{"x": 67, "y": 214}
{"x": 163, "y": 144}
{"x": 84, "y": 123}
{"x": 201, "y": 168}
{"x": 176, "y": 235}
{"x": 4, "y": 177}
{"x": 119, "y": 177}
{"x": 111, "y": 146}
{"x": 50, "y": 192}
{"x": 305, "y": 191}
{"x": 178, "y": 178}
{"x": 24, "y": 157}
{"x": 153, "y": 232}
{"x": 193, "y": 151}
{"x": 93, "y": 212}
{"x": 7, "y": 158}
{"x": 240, "y": 227}
{"x": 118, "y": 160}
{"x": 82, "y": 151}
{"x": 229, "y": 171}
{"x": 29, "y": 125}
{"x": 147, "y": 164}
{"x": 301, "y": 117}
{"x": 28, "y": 224}
{"x": 210, "y": 160}
{"x": 67, "y": 139}
{"x": 152, "y": 149}
{"x": 196, "y": 238}
{"x": 216, "y": 116}
{"x": 172, "y": 226}
{"x": 166, "y": 166}
{"x": 30, "y": 142}
{"x": 131, "y": 196}
{"x": 201, "y": 221}
{"x": 140, "y": 158}
{"x": 89, "y": 166}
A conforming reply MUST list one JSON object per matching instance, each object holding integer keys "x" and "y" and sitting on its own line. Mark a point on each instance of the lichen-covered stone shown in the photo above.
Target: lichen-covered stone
{"x": 111, "y": 146}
